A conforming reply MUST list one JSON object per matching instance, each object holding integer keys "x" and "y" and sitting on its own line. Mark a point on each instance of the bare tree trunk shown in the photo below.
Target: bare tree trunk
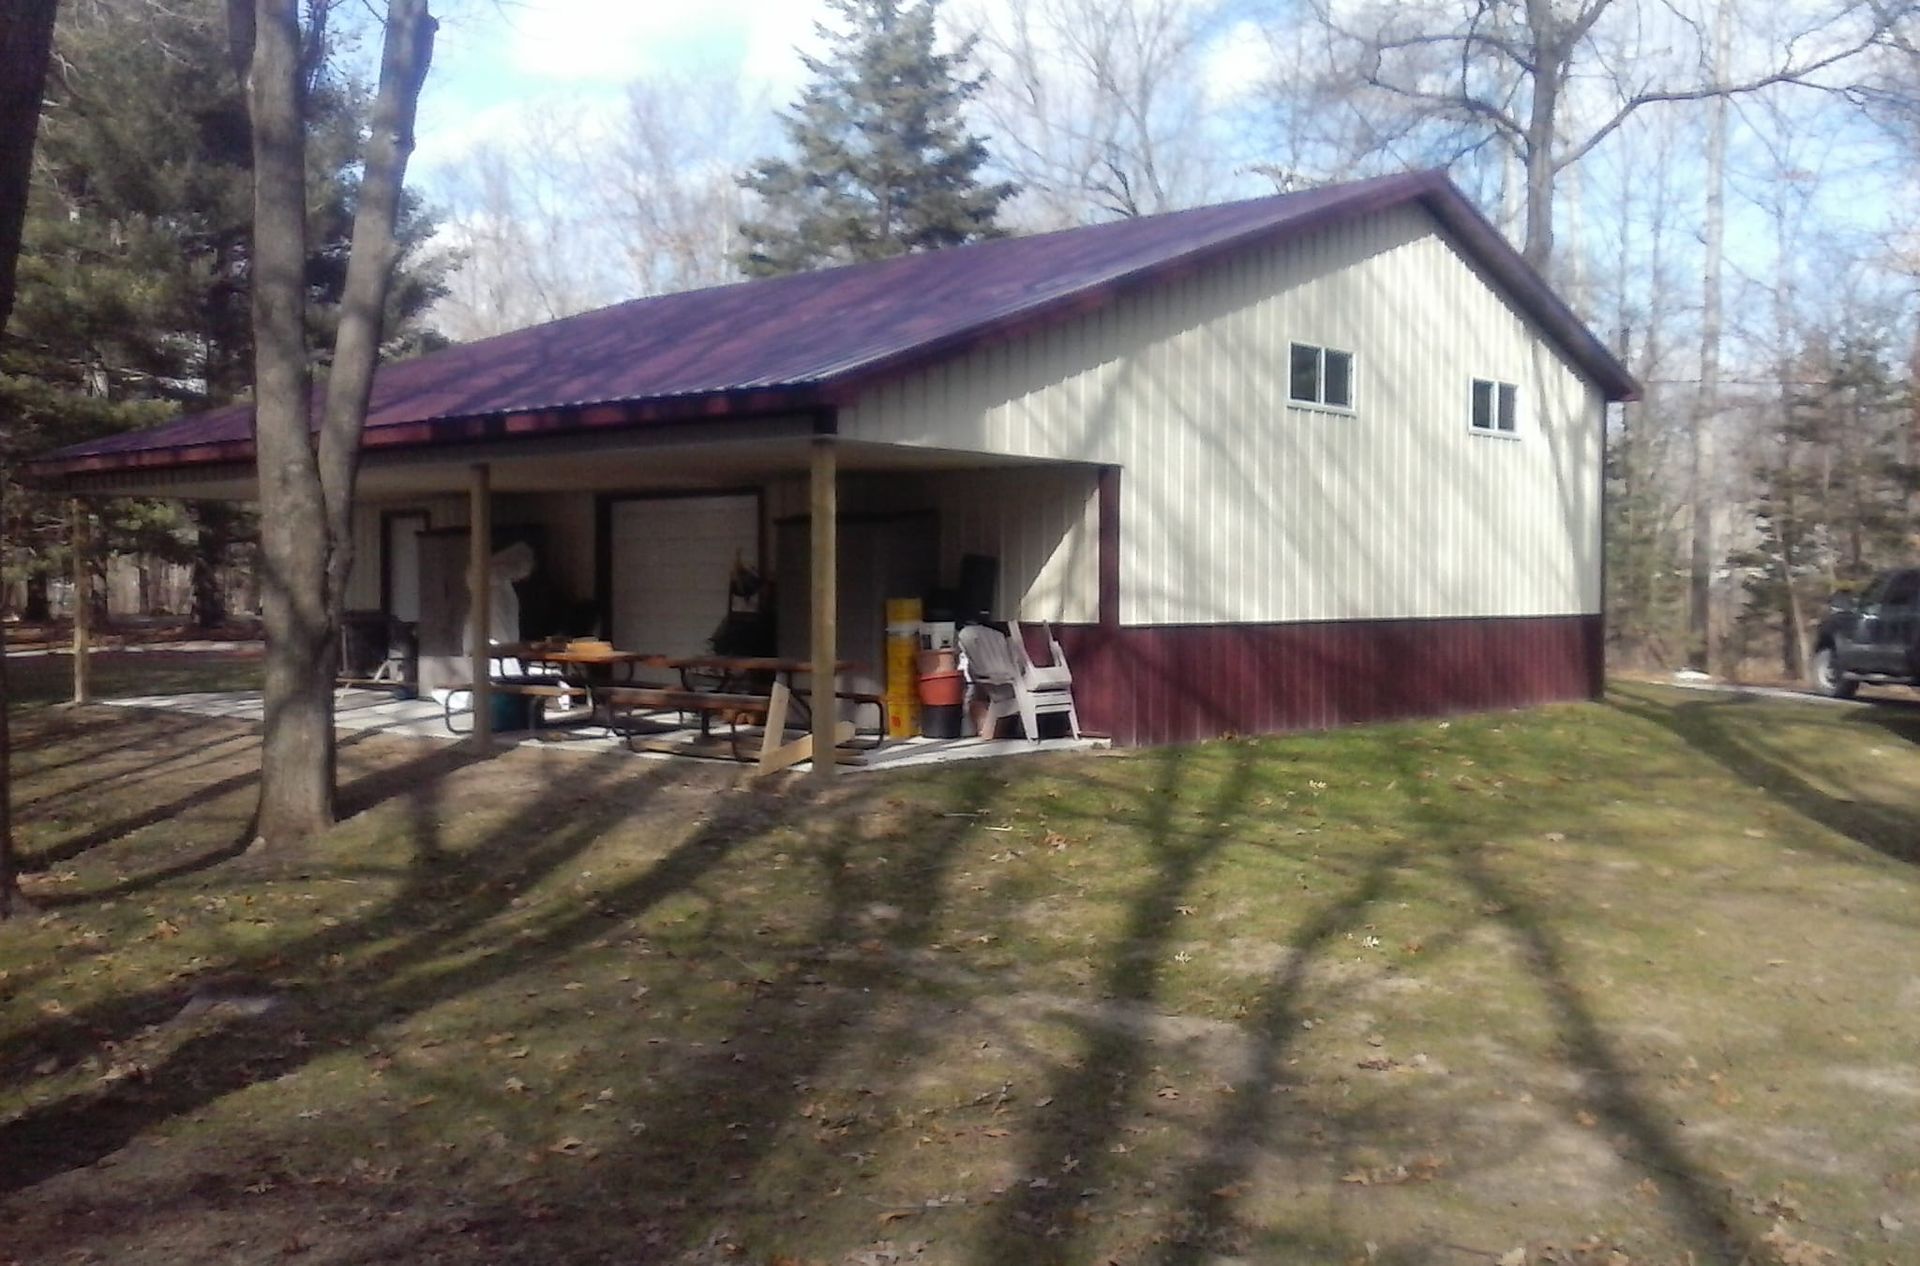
{"x": 296, "y": 761}
{"x": 38, "y": 608}
{"x": 209, "y": 597}
{"x": 26, "y": 43}
{"x": 9, "y": 880}
{"x": 213, "y": 538}
{"x": 306, "y": 499}
{"x": 1707, "y": 401}
{"x": 1541, "y": 125}
{"x": 356, "y": 349}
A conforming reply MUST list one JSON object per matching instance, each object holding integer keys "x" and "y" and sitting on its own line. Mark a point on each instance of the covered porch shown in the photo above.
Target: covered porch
{"x": 635, "y": 534}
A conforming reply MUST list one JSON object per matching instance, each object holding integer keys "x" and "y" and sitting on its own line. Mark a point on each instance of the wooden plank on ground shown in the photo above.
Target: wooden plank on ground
{"x": 776, "y": 726}
{"x": 785, "y": 755}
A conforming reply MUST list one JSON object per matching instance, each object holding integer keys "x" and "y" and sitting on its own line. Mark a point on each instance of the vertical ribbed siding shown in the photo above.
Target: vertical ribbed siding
{"x": 363, "y": 581}
{"x": 1186, "y": 683}
{"x": 1241, "y": 508}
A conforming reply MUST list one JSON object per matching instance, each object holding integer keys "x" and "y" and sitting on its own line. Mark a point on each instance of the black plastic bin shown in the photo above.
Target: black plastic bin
{"x": 941, "y": 721}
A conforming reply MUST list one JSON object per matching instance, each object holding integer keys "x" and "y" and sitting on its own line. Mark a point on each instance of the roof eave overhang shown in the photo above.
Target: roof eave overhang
{"x": 1486, "y": 244}
{"x": 719, "y": 406}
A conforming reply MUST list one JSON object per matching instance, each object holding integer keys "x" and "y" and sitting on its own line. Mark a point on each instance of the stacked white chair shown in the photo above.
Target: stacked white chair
{"x": 1016, "y": 686}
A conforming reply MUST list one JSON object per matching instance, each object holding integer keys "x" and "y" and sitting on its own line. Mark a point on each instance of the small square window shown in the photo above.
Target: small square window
{"x": 1496, "y": 407}
{"x": 1320, "y": 375}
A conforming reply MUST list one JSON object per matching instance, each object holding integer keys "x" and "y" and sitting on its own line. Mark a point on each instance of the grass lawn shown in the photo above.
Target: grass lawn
{"x": 1628, "y": 982}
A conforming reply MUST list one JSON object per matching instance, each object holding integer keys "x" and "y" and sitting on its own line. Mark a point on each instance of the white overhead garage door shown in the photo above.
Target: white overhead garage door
{"x": 671, "y": 557}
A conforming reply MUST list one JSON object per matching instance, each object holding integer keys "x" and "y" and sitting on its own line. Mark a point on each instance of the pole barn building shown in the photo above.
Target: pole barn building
{"x": 1323, "y": 457}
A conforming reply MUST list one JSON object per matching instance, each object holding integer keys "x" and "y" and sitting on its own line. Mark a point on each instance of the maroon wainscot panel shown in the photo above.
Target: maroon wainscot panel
{"x": 1178, "y": 683}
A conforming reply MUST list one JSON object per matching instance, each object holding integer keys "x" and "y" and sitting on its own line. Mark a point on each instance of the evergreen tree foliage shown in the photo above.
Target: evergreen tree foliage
{"x": 882, "y": 160}
{"x": 1835, "y": 480}
{"x": 133, "y": 300}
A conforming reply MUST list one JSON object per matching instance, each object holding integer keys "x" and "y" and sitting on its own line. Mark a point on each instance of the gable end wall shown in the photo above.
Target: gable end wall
{"x": 1237, "y": 508}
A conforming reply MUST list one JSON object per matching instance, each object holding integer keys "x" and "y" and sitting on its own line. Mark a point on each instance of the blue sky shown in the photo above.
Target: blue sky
{"x": 494, "y": 63}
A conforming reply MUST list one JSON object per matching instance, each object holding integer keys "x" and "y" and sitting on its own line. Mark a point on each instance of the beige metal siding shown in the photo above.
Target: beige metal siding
{"x": 1041, "y": 522}
{"x": 1237, "y": 506}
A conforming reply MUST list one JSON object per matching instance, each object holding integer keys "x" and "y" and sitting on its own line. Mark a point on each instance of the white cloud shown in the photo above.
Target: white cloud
{"x": 1237, "y": 63}
{"x": 616, "y": 40}
{"x": 511, "y": 69}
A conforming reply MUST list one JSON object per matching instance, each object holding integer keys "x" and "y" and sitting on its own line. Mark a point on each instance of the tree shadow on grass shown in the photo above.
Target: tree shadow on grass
{"x": 167, "y": 737}
{"x": 1249, "y": 1126}
{"x": 720, "y": 1109}
{"x": 1703, "y": 725}
{"x": 1699, "y": 1205}
{"x": 167, "y": 757}
{"x": 356, "y": 794}
{"x": 1091, "y": 1099}
{"x": 1248, "y": 1129}
{"x": 325, "y": 1011}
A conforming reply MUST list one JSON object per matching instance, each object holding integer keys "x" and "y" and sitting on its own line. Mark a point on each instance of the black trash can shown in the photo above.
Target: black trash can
{"x": 941, "y": 721}
{"x": 363, "y": 643}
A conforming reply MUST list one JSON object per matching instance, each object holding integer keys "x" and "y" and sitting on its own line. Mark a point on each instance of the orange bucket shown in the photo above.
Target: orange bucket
{"x": 942, "y": 689}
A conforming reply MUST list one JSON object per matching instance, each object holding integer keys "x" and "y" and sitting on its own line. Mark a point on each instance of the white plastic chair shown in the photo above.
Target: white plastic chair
{"x": 1015, "y": 685}
{"x": 1042, "y": 687}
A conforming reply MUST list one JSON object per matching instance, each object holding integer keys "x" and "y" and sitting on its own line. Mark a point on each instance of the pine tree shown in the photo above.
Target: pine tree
{"x": 134, "y": 273}
{"x": 883, "y": 162}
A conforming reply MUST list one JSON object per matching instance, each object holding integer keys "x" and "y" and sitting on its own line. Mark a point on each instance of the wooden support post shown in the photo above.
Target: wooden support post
{"x": 82, "y": 604}
{"x": 480, "y": 603}
{"x": 826, "y": 598}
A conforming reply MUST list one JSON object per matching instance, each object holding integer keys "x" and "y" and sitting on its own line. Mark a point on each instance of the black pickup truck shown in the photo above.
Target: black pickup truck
{"x": 1872, "y": 637}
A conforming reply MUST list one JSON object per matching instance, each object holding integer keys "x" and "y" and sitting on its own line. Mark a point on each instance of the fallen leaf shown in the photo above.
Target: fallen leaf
{"x": 1788, "y": 1251}
{"x": 1514, "y": 1257}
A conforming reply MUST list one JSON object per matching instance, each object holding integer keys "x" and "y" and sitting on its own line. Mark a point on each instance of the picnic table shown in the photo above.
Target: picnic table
{"x": 582, "y": 669}
{"x": 585, "y": 661}
{"x": 738, "y": 690}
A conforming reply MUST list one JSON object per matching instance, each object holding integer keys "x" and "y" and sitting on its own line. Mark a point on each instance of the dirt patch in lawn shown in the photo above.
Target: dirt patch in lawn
{"x": 1612, "y": 983}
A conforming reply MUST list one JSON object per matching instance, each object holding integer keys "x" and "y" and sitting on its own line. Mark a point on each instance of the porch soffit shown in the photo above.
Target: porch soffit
{"x": 625, "y": 462}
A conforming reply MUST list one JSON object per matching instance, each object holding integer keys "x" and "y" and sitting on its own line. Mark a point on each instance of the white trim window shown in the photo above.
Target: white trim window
{"x": 1319, "y": 376}
{"x": 1496, "y": 408}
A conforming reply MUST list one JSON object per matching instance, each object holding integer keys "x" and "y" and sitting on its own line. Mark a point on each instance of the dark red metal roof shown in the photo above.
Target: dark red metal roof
{"x": 817, "y": 339}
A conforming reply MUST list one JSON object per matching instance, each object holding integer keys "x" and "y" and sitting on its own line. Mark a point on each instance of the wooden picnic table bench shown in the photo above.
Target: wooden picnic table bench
{"x": 734, "y": 708}
{"x": 553, "y": 688}
{"x": 859, "y": 699}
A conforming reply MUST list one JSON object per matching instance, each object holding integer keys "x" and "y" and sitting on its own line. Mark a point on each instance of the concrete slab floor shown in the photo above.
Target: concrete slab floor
{"x": 361, "y": 711}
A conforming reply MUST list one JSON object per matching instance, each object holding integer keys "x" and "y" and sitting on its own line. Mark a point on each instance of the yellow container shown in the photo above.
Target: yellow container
{"x": 903, "y": 667}
{"x": 903, "y": 693}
